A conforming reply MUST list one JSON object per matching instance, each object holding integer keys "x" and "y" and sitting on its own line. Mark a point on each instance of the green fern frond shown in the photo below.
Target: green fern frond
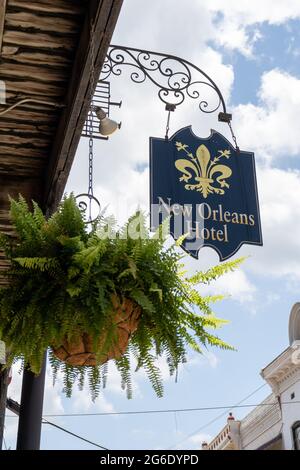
{"x": 63, "y": 279}
{"x": 38, "y": 264}
{"x": 215, "y": 272}
{"x": 181, "y": 239}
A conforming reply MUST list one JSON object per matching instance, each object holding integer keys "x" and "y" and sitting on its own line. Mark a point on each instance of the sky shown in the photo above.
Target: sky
{"x": 251, "y": 49}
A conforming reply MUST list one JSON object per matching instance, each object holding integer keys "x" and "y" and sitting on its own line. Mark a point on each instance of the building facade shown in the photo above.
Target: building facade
{"x": 275, "y": 423}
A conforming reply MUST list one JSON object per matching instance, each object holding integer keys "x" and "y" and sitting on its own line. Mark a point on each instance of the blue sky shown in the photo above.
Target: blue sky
{"x": 251, "y": 50}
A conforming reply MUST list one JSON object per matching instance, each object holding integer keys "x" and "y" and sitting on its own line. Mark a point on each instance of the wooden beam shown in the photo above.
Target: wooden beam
{"x": 57, "y": 7}
{"x": 38, "y": 40}
{"x": 104, "y": 15}
{"x": 2, "y": 20}
{"x": 23, "y": 19}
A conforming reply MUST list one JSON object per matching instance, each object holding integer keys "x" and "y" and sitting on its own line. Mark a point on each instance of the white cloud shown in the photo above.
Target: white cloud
{"x": 271, "y": 128}
{"x": 212, "y": 63}
{"x": 127, "y": 195}
{"x": 194, "y": 442}
{"x": 199, "y": 438}
{"x": 53, "y": 403}
{"x": 194, "y": 360}
{"x": 211, "y": 358}
{"x": 10, "y": 432}
{"x": 279, "y": 195}
{"x": 233, "y": 24}
{"x": 81, "y": 402}
{"x": 184, "y": 32}
{"x": 234, "y": 284}
{"x": 53, "y": 399}
{"x": 162, "y": 25}
{"x": 233, "y": 34}
{"x": 280, "y": 211}
{"x": 114, "y": 380}
{"x": 207, "y": 358}
{"x": 14, "y": 392}
{"x": 14, "y": 389}
{"x": 237, "y": 22}
{"x": 256, "y": 11}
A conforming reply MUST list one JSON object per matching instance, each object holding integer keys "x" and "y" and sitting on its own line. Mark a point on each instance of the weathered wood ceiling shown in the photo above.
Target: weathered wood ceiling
{"x": 45, "y": 56}
{"x": 38, "y": 48}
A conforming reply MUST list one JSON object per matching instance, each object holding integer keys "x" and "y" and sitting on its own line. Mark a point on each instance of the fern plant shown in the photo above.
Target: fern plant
{"x": 61, "y": 281}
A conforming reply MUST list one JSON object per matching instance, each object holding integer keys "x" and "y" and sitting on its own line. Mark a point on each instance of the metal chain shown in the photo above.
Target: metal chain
{"x": 233, "y": 137}
{"x": 168, "y": 125}
{"x": 90, "y": 121}
{"x": 91, "y": 157}
{"x": 86, "y": 200}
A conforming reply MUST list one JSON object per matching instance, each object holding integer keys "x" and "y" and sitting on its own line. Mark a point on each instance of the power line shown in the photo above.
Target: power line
{"x": 45, "y": 421}
{"x": 181, "y": 410}
{"x": 204, "y": 426}
{"x": 175, "y": 410}
{"x": 171, "y": 410}
{"x": 14, "y": 406}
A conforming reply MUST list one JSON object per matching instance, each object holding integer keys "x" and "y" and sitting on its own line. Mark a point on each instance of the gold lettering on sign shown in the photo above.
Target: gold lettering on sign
{"x": 205, "y": 212}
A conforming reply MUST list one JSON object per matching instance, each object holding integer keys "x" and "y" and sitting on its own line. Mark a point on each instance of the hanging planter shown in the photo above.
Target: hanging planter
{"x": 81, "y": 351}
{"x": 99, "y": 295}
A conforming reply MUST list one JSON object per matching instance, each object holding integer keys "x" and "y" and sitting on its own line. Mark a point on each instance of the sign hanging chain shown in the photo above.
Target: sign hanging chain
{"x": 170, "y": 108}
{"x": 233, "y": 137}
{"x": 168, "y": 125}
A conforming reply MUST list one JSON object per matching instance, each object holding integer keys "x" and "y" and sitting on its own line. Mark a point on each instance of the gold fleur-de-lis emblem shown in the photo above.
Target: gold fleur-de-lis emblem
{"x": 201, "y": 172}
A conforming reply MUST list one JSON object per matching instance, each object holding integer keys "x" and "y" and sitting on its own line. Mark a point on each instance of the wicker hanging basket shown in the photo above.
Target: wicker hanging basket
{"x": 81, "y": 353}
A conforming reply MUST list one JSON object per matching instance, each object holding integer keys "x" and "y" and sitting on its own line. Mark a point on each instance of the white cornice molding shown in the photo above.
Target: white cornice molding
{"x": 281, "y": 372}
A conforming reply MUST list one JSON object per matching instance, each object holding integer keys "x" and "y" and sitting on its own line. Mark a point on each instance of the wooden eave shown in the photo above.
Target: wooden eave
{"x": 45, "y": 55}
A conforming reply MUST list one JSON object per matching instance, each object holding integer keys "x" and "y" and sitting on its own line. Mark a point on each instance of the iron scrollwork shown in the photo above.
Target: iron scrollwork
{"x": 89, "y": 206}
{"x": 175, "y": 78}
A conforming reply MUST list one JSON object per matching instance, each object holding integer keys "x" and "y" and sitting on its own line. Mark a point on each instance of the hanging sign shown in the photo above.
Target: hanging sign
{"x": 207, "y": 189}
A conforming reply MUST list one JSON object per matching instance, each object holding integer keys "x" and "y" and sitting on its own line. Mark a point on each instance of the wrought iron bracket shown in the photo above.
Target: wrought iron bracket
{"x": 176, "y": 78}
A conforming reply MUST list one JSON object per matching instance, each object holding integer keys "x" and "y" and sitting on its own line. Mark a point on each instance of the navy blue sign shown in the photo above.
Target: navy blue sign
{"x": 208, "y": 191}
